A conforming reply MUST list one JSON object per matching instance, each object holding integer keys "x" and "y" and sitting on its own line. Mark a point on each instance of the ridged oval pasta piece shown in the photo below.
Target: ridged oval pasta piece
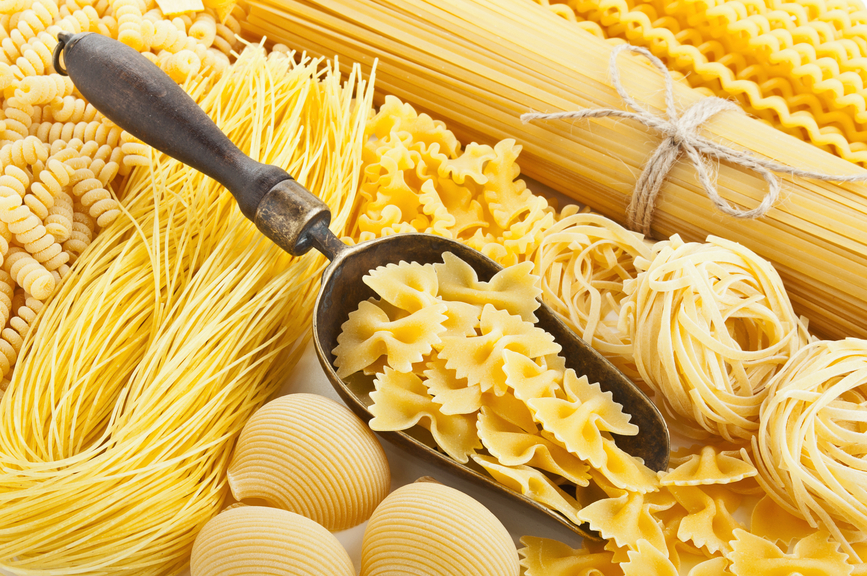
{"x": 310, "y": 455}
{"x": 257, "y": 540}
{"x": 427, "y": 528}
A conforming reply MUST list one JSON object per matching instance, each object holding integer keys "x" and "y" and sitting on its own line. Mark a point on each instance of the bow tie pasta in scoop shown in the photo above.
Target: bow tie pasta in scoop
{"x": 464, "y": 359}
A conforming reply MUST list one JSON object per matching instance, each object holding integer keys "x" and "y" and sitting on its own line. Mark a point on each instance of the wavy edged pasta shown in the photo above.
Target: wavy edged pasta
{"x": 810, "y": 443}
{"x": 310, "y": 455}
{"x": 710, "y": 466}
{"x": 546, "y": 557}
{"x": 431, "y": 529}
{"x": 711, "y": 324}
{"x": 814, "y": 554}
{"x": 262, "y": 540}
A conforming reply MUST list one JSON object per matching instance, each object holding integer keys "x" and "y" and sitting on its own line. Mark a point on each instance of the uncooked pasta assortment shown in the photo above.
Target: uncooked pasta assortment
{"x": 59, "y": 156}
{"x": 145, "y": 325}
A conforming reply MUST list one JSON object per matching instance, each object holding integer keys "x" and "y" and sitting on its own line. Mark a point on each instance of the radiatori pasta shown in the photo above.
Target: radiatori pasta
{"x": 811, "y": 438}
{"x": 310, "y": 455}
{"x": 711, "y": 324}
{"x": 431, "y": 529}
{"x": 257, "y": 540}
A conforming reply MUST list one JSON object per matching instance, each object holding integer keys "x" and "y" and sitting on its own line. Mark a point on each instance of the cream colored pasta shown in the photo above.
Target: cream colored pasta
{"x": 310, "y": 455}
{"x": 711, "y": 324}
{"x": 810, "y": 444}
{"x": 257, "y": 540}
{"x": 431, "y": 529}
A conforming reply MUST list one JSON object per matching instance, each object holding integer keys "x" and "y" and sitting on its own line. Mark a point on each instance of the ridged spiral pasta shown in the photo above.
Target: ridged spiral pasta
{"x": 30, "y": 150}
{"x": 28, "y": 273}
{"x": 310, "y": 455}
{"x": 254, "y": 540}
{"x": 12, "y": 338}
{"x": 432, "y": 529}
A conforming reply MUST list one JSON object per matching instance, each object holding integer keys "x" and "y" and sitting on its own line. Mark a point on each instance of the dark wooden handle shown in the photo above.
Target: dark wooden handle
{"x": 140, "y": 98}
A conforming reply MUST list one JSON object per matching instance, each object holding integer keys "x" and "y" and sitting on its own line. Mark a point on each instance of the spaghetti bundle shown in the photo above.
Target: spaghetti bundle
{"x": 810, "y": 445}
{"x": 479, "y": 64}
{"x": 179, "y": 322}
{"x": 711, "y": 325}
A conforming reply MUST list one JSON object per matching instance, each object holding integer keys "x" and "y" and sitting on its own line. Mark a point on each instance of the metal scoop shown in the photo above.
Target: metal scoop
{"x": 140, "y": 98}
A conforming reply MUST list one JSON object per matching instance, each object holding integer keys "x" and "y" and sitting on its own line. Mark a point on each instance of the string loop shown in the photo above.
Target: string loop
{"x": 682, "y": 137}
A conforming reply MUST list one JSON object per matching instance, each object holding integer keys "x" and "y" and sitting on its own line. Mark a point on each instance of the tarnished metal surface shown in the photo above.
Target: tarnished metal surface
{"x": 342, "y": 290}
{"x": 287, "y": 213}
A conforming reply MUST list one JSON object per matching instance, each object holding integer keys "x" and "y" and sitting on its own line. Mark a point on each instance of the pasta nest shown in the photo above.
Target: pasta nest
{"x": 812, "y": 437}
{"x": 711, "y": 324}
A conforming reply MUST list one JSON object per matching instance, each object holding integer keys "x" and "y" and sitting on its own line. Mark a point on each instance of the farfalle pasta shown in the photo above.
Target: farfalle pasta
{"x": 486, "y": 382}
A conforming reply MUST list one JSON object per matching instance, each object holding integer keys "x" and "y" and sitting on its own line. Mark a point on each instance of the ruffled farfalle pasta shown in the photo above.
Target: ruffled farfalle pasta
{"x": 708, "y": 522}
{"x": 407, "y": 286}
{"x": 488, "y": 384}
{"x": 580, "y": 419}
{"x": 369, "y": 333}
{"x": 815, "y": 555}
{"x": 710, "y": 466}
{"x": 546, "y": 557}
{"x": 533, "y": 484}
{"x": 512, "y": 446}
{"x": 514, "y": 289}
{"x": 648, "y": 561}
{"x": 480, "y": 359}
{"x": 626, "y": 520}
{"x": 401, "y": 401}
{"x": 454, "y": 395}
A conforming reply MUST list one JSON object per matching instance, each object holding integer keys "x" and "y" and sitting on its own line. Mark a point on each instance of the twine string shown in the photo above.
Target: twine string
{"x": 681, "y": 137}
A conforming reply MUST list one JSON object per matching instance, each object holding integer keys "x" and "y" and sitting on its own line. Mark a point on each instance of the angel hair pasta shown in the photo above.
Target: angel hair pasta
{"x": 465, "y": 360}
{"x": 310, "y": 455}
{"x": 711, "y": 324}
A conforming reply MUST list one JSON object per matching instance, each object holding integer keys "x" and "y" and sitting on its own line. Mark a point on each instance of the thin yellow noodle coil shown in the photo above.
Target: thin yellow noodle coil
{"x": 812, "y": 438}
{"x": 257, "y": 540}
{"x": 309, "y": 455}
{"x": 431, "y": 529}
{"x": 711, "y": 324}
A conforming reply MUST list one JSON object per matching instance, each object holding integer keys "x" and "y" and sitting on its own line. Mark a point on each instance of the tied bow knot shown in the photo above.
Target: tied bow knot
{"x": 682, "y": 137}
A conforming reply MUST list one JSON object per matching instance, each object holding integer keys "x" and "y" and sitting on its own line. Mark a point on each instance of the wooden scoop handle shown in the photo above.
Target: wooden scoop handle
{"x": 136, "y": 95}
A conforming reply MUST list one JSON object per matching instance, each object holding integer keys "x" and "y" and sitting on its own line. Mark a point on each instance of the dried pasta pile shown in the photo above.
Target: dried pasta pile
{"x": 176, "y": 324}
{"x": 58, "y": 154}
{"x": 465, "y": 360}
{"x": 730, "y": 330}
{"x": 796, "y": 66}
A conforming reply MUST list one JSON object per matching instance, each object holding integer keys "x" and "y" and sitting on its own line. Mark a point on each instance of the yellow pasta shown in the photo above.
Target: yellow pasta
{"x": 756, "y": 556}
{"x": 259, "y": 540}
{"x": 810, "y": 437}
{"x": 710, "y": 324}
{"x": 427, "y": 528}
{"x": 116, "y": 428}
{"x": 546, "y": 557}
{"x": 309, "y": 455}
